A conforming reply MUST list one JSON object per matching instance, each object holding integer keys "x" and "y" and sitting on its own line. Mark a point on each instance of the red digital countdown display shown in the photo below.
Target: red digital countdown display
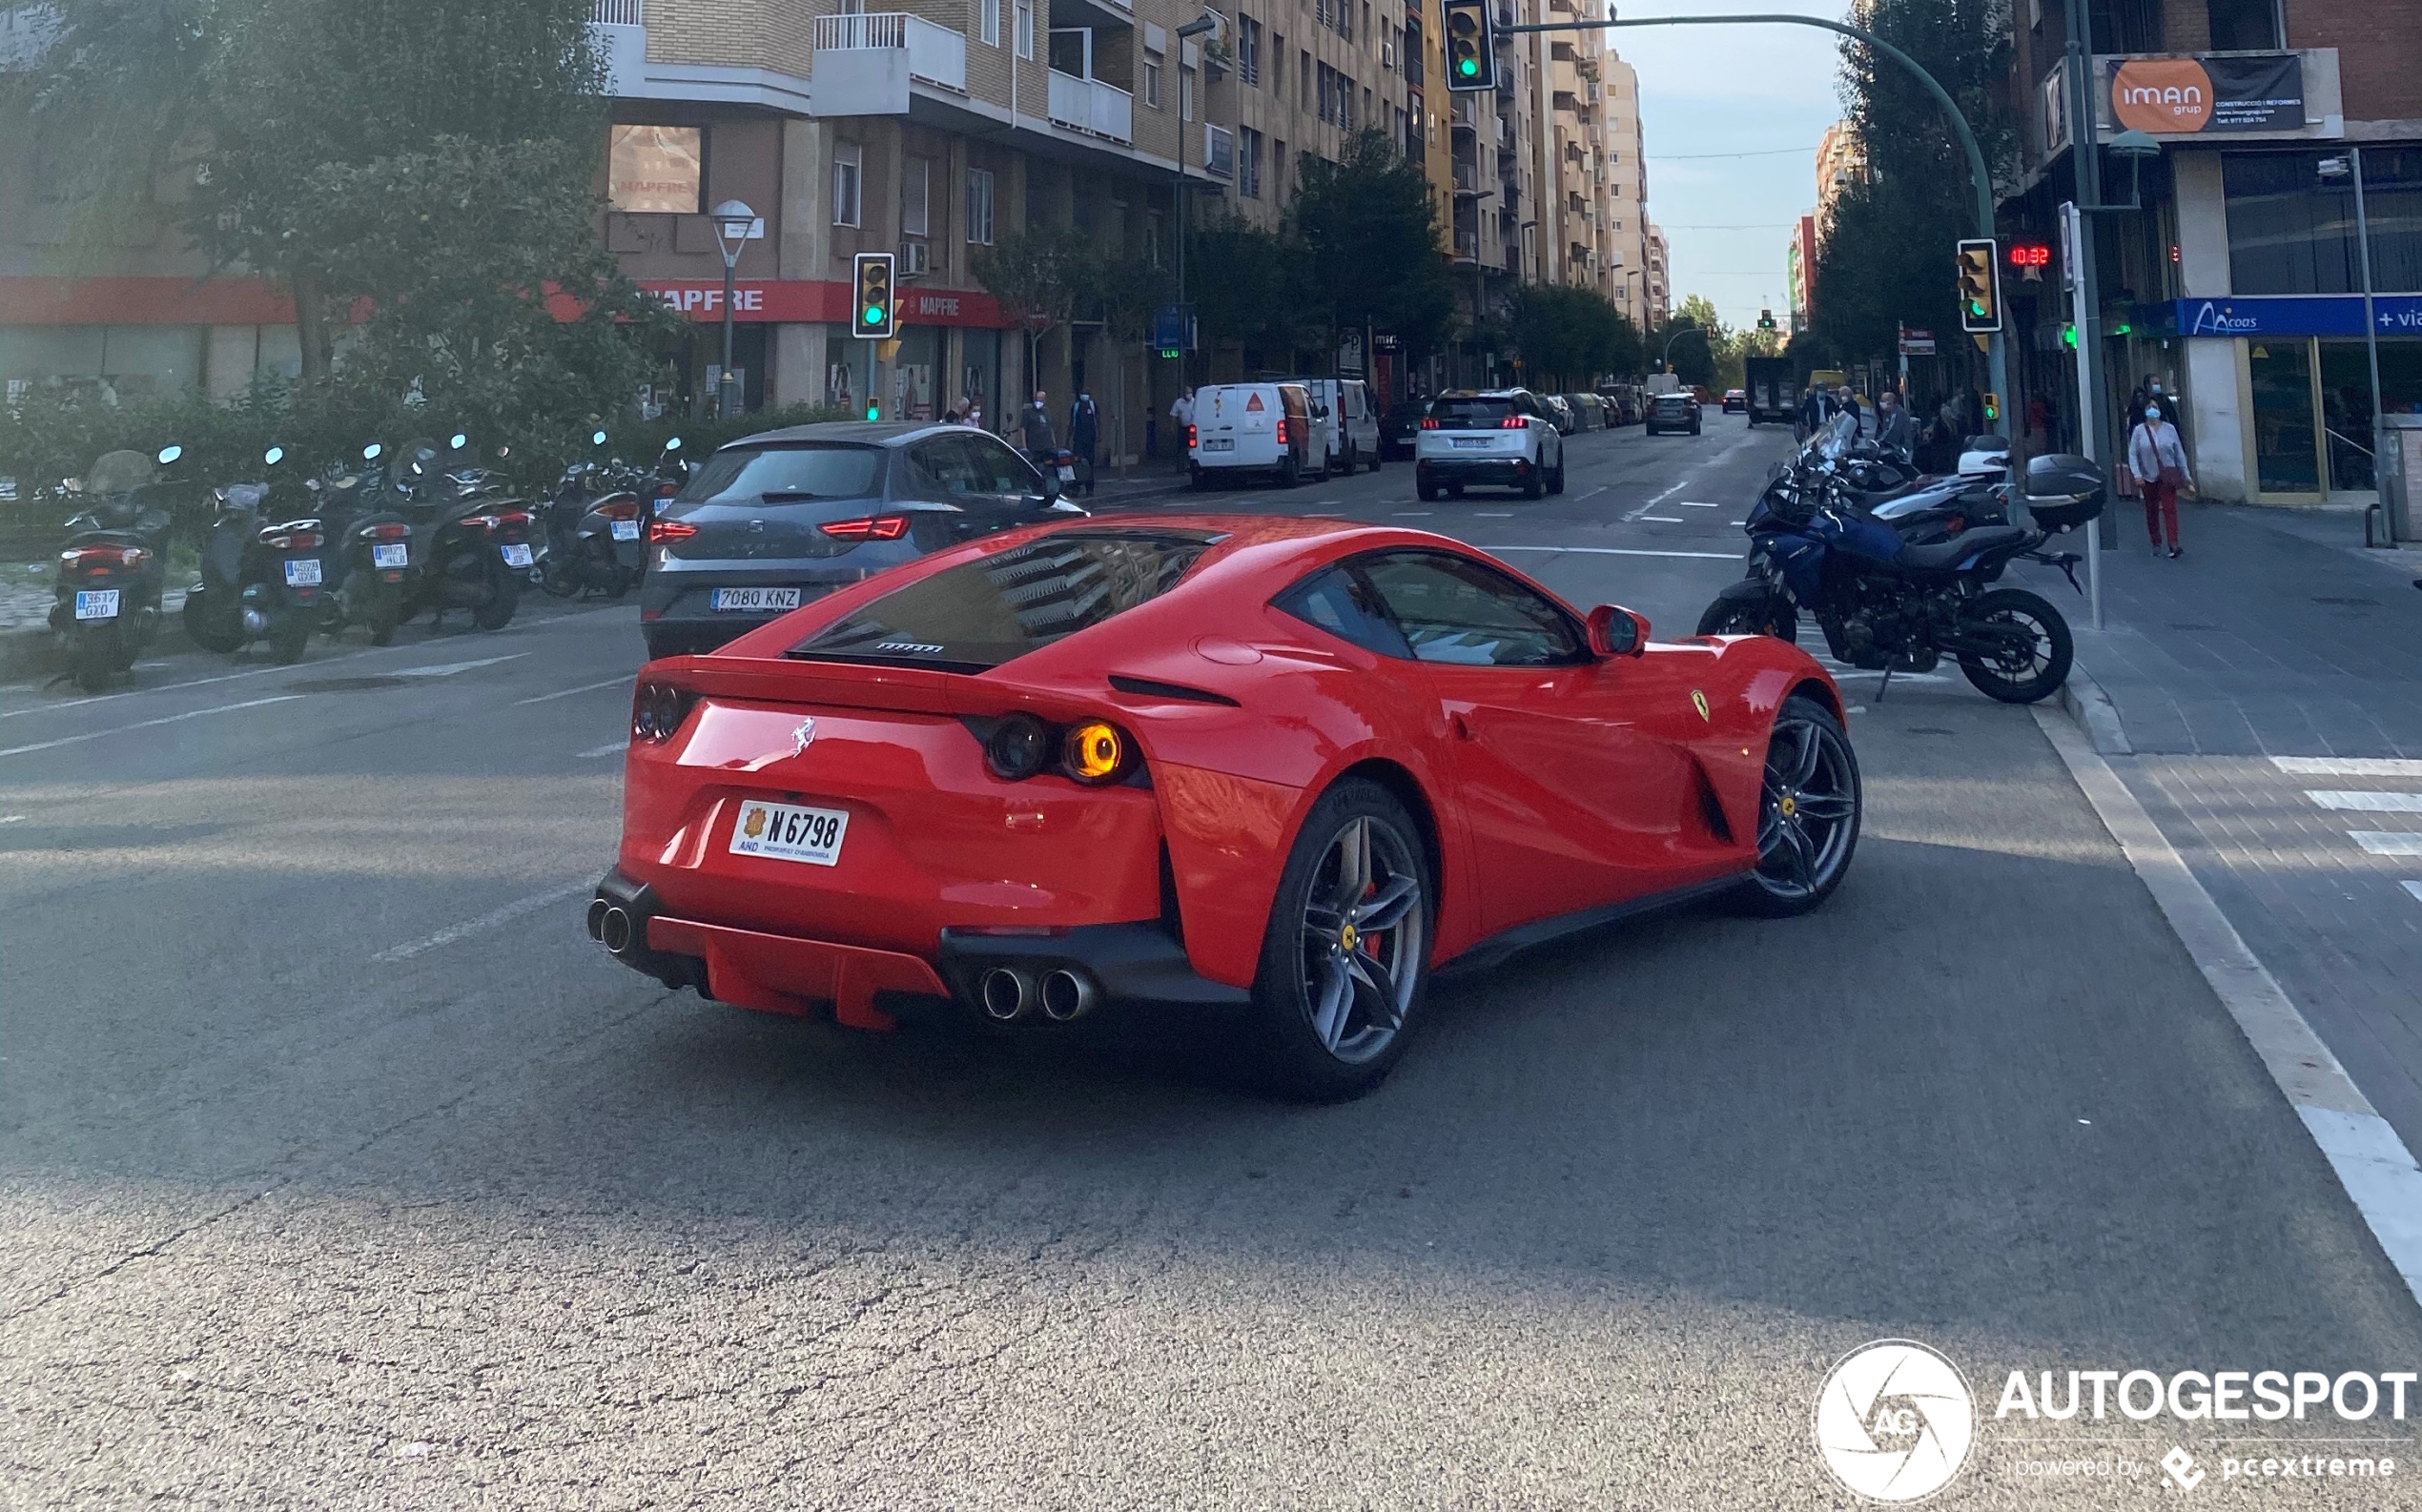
{"x": 2030, "y": 254}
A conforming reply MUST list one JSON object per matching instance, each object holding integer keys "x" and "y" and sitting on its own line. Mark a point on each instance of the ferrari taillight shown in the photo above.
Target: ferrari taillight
{"x": 868, "y": 527}
{"x": 658, "y": 709}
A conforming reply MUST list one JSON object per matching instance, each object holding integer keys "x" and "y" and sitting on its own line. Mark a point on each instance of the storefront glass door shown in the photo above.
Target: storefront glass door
{"x": 2346, "y": 415}
{"x": 2287, "y": 452}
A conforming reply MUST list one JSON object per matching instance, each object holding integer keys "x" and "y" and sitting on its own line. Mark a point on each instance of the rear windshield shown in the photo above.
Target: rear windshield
{"x": 1672, "y": 401}
{"x": 820, "y": 471}
{"x": 1472, "y": 414}
{"x": 982, "y": 613}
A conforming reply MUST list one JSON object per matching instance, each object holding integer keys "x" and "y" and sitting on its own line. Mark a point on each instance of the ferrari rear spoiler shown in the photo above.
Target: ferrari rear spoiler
{"x": 847, "y": 685}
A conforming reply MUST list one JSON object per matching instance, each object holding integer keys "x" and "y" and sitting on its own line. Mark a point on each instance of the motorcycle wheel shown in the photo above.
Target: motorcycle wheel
{"x": 210, "y": 630}
{"x": 606, "y": 573}
{"x": 1774, "y": 616}
{"x": 504, "y": 595}
{"x": 557, "y": 578}
{"x": 96, "y": 654}
{"x": 288, "y": 638}
{"x": 2014, "y": 677}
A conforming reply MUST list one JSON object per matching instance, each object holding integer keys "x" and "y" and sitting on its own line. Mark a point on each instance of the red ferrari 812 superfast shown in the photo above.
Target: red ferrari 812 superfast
{"x": 1280, "y": 769}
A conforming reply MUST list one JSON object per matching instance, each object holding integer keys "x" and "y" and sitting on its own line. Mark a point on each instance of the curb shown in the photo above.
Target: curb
{"x": 2084, "y": 702}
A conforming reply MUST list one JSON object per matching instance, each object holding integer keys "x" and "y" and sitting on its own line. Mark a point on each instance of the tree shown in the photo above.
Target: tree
{"x": 1370, "y": 230}
{"x": 1125, "y": 291}
{"x": 1567, "y": 337}
{"x": 1243, "y": 286}
{"x": 1036, "y": 275}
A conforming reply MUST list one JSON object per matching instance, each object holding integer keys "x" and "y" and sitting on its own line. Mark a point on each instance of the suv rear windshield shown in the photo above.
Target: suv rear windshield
{"x": 1470, "y": 414}
{"x": 815, "y": 470}
{"x": 1672, "y": 401}
{"x": 979, "y": 614}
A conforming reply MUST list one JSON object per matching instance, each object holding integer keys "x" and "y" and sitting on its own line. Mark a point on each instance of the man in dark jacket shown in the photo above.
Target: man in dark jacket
{"x": 1084, "y": 425}
{"x": 1815, "y": 411}
{"x": 1033, "y": 425}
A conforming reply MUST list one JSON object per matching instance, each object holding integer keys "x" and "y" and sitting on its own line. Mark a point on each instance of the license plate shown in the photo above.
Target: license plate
{"x": 397, "y": 556}
{"x": 517, "y": 556}
{"x": 1068, "y": 475}
{"x": 626, "y": 530}
{"x": 1218, "y": 447}
{"x": 96, "y": 603}
{"x": 755, "y": 600}
{"x": 1471, "y": 443}
{"x": 303, "y": 572}
{"x": 782, "y": 832}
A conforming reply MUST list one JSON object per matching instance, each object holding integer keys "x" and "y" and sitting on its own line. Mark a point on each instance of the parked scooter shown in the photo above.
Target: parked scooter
{"x": 114, "y": 567}
{"x": 595, "y": 526}
{"x": 369, "y": 547}
{"x": 470, "y": 549}
{"x": 262, "y": 579}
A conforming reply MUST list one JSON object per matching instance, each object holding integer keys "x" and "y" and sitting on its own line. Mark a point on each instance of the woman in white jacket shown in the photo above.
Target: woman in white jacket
{"x": 2157, "y": 461}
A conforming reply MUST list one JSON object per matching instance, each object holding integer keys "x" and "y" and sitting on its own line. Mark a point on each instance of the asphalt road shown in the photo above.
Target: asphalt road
{"x": 337, "y": 1168}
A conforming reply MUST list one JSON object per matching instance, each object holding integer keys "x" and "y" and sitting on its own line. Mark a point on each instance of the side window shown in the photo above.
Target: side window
{"x": 997, "y": 469}
{"x": 944, "y": 466}
{"x": 1456, "y": 610}
{"x": 1338, "y": 601}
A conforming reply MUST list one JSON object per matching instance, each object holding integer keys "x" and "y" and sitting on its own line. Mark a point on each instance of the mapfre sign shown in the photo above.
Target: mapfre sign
{"x": 795, "y": 301}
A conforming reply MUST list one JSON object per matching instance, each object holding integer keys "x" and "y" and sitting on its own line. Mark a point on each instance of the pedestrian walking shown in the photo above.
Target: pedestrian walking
{"x": 1181, "y": 412}
{"x": 1895, "y": 430}
{"x": 1815, "y": 411}
{"x": 2039, "y": 427}
{"x": 1033, "y": 425}
{"x": 1084, "y": 428}
{"x": 2158, "y": 460}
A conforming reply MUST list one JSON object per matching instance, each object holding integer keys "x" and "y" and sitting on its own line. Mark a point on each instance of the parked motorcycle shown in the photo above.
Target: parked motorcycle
{"x": 470, "y": 547}
{"x": 596, "y": 522}
{"x": 262, "y": 579}
{"x": 370, "y": 547}
{"x": 115, "y": 567}
{"x": 1886, "y": 604}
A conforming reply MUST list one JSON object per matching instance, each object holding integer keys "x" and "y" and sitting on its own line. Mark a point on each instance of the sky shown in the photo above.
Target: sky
{"x": 1765, "y": 90}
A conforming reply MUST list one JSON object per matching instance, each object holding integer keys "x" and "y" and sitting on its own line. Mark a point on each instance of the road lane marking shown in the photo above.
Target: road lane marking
{"x": 2371, "y": 1163}
{"x": 12, "y": 819}
{"x": 1661, "y": 520}
{"x": 1492, "y": 514}
{"x": 1414, "y": 513}
{"x": 2347, "y": 767}
{"x": 610, "y": 748}
{"x": 2364, "y": 802}
{"x": 1623, "y": 551}
{"x": 584, "y": 688}
{"x": 2378, "y": 841}
{"x": 489, "y": 920}
{"x": 149, "y": 724}
{"x": 449, "y": 668}
{"x": 1692, "y": 503}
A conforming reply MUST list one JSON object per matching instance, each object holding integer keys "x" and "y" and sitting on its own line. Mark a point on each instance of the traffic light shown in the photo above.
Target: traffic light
{"x": 1980, "y": 287}
{"x": 1993, "y": 409}
{"x": 1766, "y": 320}
{"x": 1471, "y": 46}
{"x": 874, "y": 315}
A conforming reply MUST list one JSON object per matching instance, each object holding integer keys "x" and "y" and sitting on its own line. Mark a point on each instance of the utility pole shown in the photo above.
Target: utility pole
{"x": 2085, "y": 296}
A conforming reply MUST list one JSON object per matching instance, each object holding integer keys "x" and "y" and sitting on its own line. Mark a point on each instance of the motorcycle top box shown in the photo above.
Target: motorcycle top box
{"x": 2062, "y": 492}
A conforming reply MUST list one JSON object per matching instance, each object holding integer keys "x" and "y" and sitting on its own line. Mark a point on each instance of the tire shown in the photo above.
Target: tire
{"x": 504, "y": 595}
{"x": 1379, "y": 457}
{"x": 1810, "y": 803}
{"x": 1196, "y": 480}
{"x": 1774, "y": 616}
{"x": 1429, "y": 492}
{"x": 557, "y": 578}
{"x": 382, "y": 624}
{"x": 1555, "y": 479}
{"x": 96, "y": 654}
{"x": 1699, "y": 428}
{"x": 2043, "y": 671}
{"x": 1290, "y": 472}
{"x": 1534, "y": 482}
{"x": 208, "y": 629}
{"x": 1333, "y": 1017}
{"x": 288, "y": 638}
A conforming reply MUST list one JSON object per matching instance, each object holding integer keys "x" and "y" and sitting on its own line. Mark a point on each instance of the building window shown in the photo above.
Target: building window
{"x": 1304, "y": 94}
{"x": 2245, "y": 26}
{"x": 1279, "y": 164}
{"x": 1248, "y": 50}
{"x": 1327, "y": 102}
{"x": 848, "y": 162}
{"x": 1185, "y": 93}
{"x": 979, "y": 206}
{"x": 1411, "y": 54}
{"x": 1152, "y": 80}
{"x": 992, "y": 23}
{"x": 1248, "y": 171}
{"x": 1026, "y": 28}
{"x": 1278, "y": 64}
{"x": 915, "y": 176}
{"x": 657, "y": 170}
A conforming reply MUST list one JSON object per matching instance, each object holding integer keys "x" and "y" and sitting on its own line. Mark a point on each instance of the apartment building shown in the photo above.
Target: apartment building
{"x": 2235, "y": 266}
{"x": 1592, "y": 210}
{"x": 1659, "y": 299}
{"x": 1841, "y": 162}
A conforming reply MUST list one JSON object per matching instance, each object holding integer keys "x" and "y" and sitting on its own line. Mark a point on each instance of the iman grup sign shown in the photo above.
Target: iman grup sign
{"x": 2190, "y": 96}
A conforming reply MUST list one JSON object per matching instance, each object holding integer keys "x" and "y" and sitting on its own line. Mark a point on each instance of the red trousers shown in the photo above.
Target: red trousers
{"x": 2160, "y": 510}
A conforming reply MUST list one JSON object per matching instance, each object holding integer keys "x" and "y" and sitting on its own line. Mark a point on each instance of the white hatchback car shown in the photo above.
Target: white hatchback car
{"x": 1502, "y": 439}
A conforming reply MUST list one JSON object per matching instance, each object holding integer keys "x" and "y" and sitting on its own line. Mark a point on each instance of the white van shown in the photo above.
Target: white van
{"x": 1349, "y": 427}
{"x": 1252, "y": 428}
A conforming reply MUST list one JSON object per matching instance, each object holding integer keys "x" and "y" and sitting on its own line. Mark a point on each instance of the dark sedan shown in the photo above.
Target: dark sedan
{"x": 773, "y": 521}
{"x": 1398, "y": 428}
{"x": 1674, "y": 412}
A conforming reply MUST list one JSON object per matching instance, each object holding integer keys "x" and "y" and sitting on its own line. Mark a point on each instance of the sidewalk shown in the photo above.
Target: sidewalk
{"x": 2270, "y": 684}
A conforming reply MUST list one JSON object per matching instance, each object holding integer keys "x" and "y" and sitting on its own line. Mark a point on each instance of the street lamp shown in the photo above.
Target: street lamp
{"x": 1666, "y": 364}
{"x": 735, "y": 226}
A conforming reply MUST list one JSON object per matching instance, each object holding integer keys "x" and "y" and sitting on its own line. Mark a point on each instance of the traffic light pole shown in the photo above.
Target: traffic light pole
{"x": 1997, "y": 356}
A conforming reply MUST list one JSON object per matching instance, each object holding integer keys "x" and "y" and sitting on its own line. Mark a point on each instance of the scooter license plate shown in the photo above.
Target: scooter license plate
{"x": 1068, "y": 475}
{"x": 303, "y": 572}
{"x": 626, "y": 530}
{"x": 396, "y": 556}
{"x": 517, "y": 556}
{"x": 96, "y": 603}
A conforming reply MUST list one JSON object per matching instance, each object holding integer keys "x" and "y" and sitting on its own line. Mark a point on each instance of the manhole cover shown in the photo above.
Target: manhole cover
{"x": 343, "y": 684}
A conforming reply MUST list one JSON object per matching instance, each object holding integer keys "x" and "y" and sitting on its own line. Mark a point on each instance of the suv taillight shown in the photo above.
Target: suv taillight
{"x": 1429, "y": 423}
{"x": 660, "y": 531}
{"x": 868, "y": 527}
{"x": 1511, "y": 422}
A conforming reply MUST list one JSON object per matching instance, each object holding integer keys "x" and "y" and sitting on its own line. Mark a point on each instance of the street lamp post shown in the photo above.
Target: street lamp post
{"x": 735, "y": 226}
{"x": 1665, "y": 364}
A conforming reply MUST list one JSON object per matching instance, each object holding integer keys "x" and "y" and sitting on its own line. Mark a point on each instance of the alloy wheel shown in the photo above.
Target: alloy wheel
{"x": 1364, "y": 935}
{"x": 1807, "y": 813}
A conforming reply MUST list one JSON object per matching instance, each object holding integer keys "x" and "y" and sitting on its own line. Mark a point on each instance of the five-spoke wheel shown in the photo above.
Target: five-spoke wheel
{"x": 1808, "y": 810}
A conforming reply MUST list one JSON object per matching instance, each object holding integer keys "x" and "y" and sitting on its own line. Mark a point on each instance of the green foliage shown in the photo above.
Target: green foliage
{"x": 1247, "y": 286}
{"x": 1036, "y": 275}
{"x": 1887, "y": 257}
{"x": 1567, "y": 338}
{"x": 1369, "y": 229}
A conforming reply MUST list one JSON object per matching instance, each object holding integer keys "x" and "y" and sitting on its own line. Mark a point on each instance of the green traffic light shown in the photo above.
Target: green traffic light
{"x": 874, "y": 315}
{"x": 1469, "y": 67}
{"x": 873, "y": 412}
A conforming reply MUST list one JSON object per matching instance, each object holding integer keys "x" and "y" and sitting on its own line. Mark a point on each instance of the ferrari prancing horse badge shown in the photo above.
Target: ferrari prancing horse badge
{"x": 1698, "y": 701}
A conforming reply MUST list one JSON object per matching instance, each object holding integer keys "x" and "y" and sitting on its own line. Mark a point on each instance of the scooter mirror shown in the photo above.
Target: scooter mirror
{"x": 371, "y": 451}
{"x": 170, "y": 454}
{"x": 459, "y": 440}
{"x": 597, "y": 438}
{"x": 503, "y": 452}
{"x": 673, "y": 445}
{"x": 273, "y": 456}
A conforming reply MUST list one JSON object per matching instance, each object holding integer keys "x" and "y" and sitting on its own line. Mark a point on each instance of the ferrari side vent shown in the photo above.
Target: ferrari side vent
{"x": 1169, "y": 898}
{"x": 1711, "y": 809}
{"x": 1147, "y": 687}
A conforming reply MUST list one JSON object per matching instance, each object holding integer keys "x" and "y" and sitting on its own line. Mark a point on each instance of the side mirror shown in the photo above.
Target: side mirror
{"x": 673, "y": 445}
{"x": 1615, "y": 631}
{"x": 170, "y": 454}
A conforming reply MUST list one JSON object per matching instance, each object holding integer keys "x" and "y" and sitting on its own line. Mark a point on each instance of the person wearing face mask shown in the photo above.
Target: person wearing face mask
{"x": 2157, "y": 460}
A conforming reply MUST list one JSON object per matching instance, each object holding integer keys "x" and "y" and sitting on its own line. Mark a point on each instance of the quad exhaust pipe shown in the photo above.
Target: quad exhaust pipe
{"x": 1007, "y": 994}
{"x": 613, "y": 926}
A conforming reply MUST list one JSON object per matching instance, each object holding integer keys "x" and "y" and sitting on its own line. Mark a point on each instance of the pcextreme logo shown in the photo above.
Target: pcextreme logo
{"x": 1893, "y": 1420}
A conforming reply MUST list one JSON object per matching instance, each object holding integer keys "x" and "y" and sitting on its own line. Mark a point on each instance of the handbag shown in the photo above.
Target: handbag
{"x": 2173, "y": 478}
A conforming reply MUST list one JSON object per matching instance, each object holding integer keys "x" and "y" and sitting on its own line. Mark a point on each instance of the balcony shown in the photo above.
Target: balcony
{"x": 864, "y": 63}
{"x": 1089, "y": 106}
{"x": 1466, "y": 246}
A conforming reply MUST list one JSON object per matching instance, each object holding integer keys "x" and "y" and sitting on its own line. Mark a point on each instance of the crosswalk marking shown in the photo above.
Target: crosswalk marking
{"x": 2347, "y": 767}
{"x": 2367, "y": 803}
{"x": 2387, "y": 842}
{"x": 2414, "y": 887}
